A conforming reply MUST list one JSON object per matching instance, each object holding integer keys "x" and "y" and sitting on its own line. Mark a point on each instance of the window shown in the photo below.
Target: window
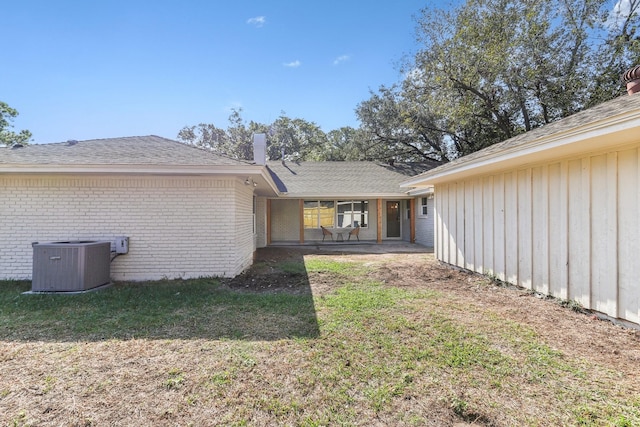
{"x": 353, "y": 213}
{"x": 349, "y": 213}
{"x": 424, "y": 209}
{"x": 317, "y": 213}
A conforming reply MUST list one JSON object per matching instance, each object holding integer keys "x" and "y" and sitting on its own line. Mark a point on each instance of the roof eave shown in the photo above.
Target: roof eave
{"x": 267, "y": 186}
{"x": 597, "y": 136}
{"x": 421, "y": 191}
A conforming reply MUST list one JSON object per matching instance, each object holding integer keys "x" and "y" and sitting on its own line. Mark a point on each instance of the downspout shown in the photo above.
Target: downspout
{"x": 412, "y": 220}
{"x": 301, "y": 214}
{"x": 268, "y": 222}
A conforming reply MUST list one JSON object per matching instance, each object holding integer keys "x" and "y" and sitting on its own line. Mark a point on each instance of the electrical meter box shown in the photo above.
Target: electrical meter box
{"x": 121, "y": 245}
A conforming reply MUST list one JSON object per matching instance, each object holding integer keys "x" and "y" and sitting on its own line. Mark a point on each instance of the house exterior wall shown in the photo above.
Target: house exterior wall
{"x": 285, "y": 220}
{"x": 285, "y": 223}
{"x": 424, "y": 223}
{"x": 567, "y": 228}
{"x": 261, "y": 222}
{"x": 244, "y": 243}
{"x": 405, "y": 228}
{"x": 178, "y": 226}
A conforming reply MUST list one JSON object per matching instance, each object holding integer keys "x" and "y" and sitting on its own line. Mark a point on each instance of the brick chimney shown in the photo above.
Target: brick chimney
{"x": 260, "y": 149}
{"x": 632, "y": 79}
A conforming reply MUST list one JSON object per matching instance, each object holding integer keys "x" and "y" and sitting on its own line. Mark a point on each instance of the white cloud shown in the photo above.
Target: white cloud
{"x": 619, "y": 14}
{"x": 258, "y": 21}
{"x": 293, "y": 64}
{"x": 341, "y": 58}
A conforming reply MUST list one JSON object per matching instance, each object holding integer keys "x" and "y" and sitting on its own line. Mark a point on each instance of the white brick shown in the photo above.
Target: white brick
{"x": 178, "y": 227}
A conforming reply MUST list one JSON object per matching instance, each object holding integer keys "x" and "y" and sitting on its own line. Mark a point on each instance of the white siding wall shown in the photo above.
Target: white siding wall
{"x": 568, "y": 229}
{"x": 424, "y": 223}
{"x": 178, "y": 226}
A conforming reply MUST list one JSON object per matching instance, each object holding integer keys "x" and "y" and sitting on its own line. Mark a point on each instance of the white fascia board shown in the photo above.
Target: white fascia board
{"x": 616, "y": 131}
{"x": 266, "y": 176}
{"x": 421, "y": 191}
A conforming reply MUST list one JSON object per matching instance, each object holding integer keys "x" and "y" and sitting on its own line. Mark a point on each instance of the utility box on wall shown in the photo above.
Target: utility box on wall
{"x": 70, "y": 266}
{"x": 120, "y": 245}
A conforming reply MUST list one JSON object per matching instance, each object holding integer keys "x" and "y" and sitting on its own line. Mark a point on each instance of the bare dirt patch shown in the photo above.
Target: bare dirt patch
{"x": 579, "y": 334}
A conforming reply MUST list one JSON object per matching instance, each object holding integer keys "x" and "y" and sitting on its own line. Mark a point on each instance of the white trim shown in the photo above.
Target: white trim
{"x": 421, "y": 191}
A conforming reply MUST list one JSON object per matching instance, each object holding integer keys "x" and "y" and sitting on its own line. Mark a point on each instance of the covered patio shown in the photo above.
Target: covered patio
{"x": 324, "y": 202}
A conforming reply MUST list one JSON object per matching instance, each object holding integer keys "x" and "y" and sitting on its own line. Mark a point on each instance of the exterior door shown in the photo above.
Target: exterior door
{"x": 393, "y": 219}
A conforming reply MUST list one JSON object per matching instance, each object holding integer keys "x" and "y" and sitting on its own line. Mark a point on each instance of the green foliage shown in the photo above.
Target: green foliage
{"x": 235, "y": 142}
{"x": 8, "y": 137}
{"x": 287, "y": 138}
{"x": 175, "y": 378}
{"x": 492, "y": 69}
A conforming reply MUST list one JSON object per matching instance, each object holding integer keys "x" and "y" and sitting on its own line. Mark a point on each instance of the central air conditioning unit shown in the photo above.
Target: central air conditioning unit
{"x": 70, "y": 266}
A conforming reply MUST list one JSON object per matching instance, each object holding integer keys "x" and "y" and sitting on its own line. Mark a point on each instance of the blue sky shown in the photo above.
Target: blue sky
{"x": 99, "y": 69}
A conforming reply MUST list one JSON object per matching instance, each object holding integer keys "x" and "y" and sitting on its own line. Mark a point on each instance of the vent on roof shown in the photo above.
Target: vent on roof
{"x": 632, "y": 80}
{"x": 16, "y": 146}
{"x": 72, "y": 142}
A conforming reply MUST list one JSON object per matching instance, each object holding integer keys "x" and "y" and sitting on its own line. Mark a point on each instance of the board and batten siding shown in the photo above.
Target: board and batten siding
{"x": 569, "y": 229}
{"x": 178, "y": 226}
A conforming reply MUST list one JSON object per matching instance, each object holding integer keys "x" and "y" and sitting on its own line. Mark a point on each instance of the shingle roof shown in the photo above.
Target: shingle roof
{"x": 325, "y": 179}
{"x": 606, "y": 110}
{"x": 136, "y": 150}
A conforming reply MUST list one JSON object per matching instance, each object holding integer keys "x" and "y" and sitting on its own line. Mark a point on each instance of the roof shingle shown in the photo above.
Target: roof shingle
{"x": 308, "y": 179}
{"x": 135, "y": 150}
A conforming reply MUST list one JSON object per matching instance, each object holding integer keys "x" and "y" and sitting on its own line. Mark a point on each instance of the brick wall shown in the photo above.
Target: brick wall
{"x": 244, "y": 242}
{"x": 178, "y": 226}
{"x": 285, "y": 220}
{"x": 261, "y": 222}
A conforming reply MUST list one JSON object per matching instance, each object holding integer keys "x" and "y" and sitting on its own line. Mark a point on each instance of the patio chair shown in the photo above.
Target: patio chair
{"x": 354, "y": 232}
{"x": 326, "y": 233}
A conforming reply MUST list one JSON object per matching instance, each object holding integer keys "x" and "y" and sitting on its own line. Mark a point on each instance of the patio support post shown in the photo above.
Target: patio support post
{"x": 379, "y": 238}
{"x": 301, "y": 213}
{"x": 268, "y": 222}
{"x": 412, "y": 221}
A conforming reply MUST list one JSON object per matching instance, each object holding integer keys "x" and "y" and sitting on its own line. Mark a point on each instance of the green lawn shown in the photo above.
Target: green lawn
{"x": 358, "y": 351}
